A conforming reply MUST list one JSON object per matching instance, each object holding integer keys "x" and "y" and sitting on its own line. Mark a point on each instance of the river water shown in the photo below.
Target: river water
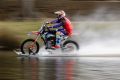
{"x": 13, "y": 67}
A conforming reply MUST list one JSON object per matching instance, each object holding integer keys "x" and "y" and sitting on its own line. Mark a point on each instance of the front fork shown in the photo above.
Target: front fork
{"x": 35, "y": 40}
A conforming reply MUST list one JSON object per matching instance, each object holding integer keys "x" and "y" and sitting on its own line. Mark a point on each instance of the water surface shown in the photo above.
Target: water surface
{"x": 58, "y": 68}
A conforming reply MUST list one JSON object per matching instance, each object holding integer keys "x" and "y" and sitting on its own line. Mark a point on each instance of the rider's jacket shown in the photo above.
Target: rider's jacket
{"x": 65, "y": 22}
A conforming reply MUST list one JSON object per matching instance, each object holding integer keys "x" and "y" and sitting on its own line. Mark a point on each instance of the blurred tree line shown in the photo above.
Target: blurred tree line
{"x": 20, "y": 9}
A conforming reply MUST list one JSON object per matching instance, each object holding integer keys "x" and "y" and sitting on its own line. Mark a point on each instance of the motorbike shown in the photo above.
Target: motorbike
{"x": 32, "y": 46}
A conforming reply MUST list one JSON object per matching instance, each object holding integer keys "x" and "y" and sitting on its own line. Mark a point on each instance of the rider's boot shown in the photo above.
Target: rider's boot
{"x": 56, "y": 46}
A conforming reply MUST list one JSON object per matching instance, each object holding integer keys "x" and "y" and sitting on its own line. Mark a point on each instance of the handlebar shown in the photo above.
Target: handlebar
{"x": 44, "y": 28}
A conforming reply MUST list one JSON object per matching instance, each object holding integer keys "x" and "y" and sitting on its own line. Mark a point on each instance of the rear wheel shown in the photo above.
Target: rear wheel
{"x": 29, "y": 47}
{"x": 70, "y": 46}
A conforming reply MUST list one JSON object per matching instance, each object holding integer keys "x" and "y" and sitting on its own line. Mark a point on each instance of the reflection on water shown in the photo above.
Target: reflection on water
{"x": 58, "y": 68}
{"x": 34, "y": 68}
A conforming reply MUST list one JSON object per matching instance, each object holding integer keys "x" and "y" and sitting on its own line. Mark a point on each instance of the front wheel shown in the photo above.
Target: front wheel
{"x": 29, "y": 47}
{"x": 70, "y": 46}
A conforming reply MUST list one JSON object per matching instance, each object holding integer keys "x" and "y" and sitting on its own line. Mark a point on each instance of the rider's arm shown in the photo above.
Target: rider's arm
{"x": 55, "y": 21}
{"x": 57, "y": 25}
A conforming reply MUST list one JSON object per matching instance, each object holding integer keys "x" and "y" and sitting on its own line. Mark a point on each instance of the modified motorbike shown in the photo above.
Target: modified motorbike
{"x": 32, "y": 46}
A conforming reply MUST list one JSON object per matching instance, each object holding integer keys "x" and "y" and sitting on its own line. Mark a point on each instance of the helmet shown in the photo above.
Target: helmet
{"x": 60, "y": 13}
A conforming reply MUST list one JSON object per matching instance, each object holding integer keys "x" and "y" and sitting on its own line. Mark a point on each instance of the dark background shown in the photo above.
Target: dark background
{"x": 21, "y": 9}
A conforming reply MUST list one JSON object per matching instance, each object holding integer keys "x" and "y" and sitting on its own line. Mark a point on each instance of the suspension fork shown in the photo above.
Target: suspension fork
{"x": 35, "y": 40}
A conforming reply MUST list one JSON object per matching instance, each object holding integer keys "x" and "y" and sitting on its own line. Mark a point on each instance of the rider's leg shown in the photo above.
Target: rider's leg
{"x": 59, "y": 35}
{"x": 58, "y": 39}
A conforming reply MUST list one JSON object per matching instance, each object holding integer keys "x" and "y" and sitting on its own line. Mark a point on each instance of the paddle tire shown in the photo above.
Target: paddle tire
{"x": 29, "y": 46}
{"x": 70, "y": 46}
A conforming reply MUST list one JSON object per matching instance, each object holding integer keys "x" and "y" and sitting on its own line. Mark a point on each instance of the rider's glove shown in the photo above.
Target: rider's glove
{"x": 47, "y": 23}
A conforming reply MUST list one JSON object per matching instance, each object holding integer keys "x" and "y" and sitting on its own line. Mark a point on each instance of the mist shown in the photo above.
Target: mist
{"x": 100, "y": 13}
{"x": 98, "y": 32}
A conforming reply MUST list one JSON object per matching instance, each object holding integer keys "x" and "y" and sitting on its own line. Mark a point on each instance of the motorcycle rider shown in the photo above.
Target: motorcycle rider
{"x": 63, "y": 27}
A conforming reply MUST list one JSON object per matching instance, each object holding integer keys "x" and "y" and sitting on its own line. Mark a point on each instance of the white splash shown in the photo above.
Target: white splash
{"x": 99, "y": 38}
